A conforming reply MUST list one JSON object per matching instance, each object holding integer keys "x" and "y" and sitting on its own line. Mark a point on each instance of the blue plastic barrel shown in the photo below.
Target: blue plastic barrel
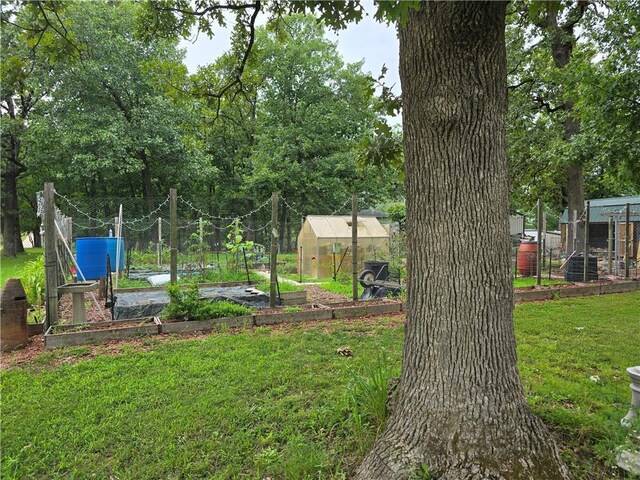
{"x": 91, "y": 255}
{"x": 112, "y": 246}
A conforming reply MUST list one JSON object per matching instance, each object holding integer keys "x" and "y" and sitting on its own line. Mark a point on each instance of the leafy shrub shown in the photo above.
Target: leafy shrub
{"x": 186, "y": 304}
{"x": 33, "y": 281}
{"x": 398, "y": 213}
{"x": 225, "y": 308}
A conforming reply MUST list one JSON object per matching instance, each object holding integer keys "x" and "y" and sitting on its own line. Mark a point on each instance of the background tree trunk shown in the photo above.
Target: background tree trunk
{"x": 12, "y": 168}
{"x": 37, "y": 238}
{"x": 460, "y": 410}
{"x": 562, "y": 42}
{"x": 11, "y": 220}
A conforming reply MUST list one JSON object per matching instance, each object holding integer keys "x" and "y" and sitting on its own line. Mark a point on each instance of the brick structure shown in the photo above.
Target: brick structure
{"x": 13, "y": 316}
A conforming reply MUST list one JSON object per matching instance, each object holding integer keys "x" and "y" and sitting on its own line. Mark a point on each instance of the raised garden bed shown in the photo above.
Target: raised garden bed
{"x": 532, "y": 294}
{"x": 365, "y": 307}
{"x": 35, "y": 328}
{"x": 307, "y": 312}
{"x": 98, "y": 332}
{"x": 67, "y": 335}
{"x": 169, "y": 326}
{"x": 348, "y": 309}
{"x": 294, "y": 298}
{"x": 159, "y": 288}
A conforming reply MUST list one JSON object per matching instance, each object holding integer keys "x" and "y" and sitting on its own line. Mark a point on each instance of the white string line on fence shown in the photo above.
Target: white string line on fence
{"x": 129, "y": 227}
{"x": 341, "y": 206}
{"x": 102, "y": 223}
{"x": 215, "y": 217}
{"x": 99, "y": 222}
{"x": 249, "y": 229}
{"x": 291, "y": 207}
{"x": 300, "y": 214}
{"x": 142, "y": 229}
{"x": 148, "y": 216}
{"x": 196, "y": 223}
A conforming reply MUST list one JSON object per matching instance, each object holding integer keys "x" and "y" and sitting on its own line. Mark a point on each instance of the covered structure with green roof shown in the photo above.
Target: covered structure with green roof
{"x": 600, "y": 211}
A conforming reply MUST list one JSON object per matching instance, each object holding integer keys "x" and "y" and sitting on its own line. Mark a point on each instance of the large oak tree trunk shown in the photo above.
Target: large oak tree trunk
{"x": 460, "y": 409}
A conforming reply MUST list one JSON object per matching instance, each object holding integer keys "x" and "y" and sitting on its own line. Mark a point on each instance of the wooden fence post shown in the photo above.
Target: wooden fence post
{"x": 50, "y": 264}
{"x": 354, "y": 246}
{"x": 173, "y": 234}
{"x": 273, "y": 285}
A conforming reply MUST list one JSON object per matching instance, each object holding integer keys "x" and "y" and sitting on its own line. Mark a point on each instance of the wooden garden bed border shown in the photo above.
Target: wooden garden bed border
{"x": 325, "y": 312}
{"x": 83, "y": 337}
{"x": 205, "y": 325}
{"x": 577, "y": 291}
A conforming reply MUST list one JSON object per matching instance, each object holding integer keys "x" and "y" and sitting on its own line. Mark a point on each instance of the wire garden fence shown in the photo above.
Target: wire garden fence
{"x": 211, "y": 246}
{"x": 602, "y": 241}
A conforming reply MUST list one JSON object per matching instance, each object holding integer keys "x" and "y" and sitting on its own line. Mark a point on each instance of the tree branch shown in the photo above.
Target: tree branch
{"x": 574, "y": 16}
{"x": 61, "y": 34}
{"x": 204, "y": 11}
{"x": 237, "y": 80}
{"x": 547, "y": 106}
{"x": 522, "y": 83}
{"x": 118, "y": 101}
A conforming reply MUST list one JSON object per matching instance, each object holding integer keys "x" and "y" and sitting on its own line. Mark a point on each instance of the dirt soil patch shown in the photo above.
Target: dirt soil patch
{"x": 104, "y": 326}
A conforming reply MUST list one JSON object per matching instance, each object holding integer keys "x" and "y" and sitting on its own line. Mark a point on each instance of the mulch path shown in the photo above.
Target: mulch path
{"x": 95, "y": 313}
{"x": 315, "y": 294}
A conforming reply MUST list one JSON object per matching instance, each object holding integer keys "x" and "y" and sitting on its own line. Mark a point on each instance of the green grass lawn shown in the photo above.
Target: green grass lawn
{"x": 11, "y": 267}
{"x": 264, "y": 285}
{"x": 341, "y": 285}
{"x": 274, "y": 402}
{"x": 531, "y": 281}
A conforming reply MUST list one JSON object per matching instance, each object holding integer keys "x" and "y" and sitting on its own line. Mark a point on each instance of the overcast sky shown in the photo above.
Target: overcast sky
{"x": 375, "y": 43}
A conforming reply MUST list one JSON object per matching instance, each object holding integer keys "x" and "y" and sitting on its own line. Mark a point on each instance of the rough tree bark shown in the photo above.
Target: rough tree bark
{"x": 11, "y": 220}
{"x": 12, "y": 169}
{"x": 460, "y": 409}
{"x": 575, "y": 182}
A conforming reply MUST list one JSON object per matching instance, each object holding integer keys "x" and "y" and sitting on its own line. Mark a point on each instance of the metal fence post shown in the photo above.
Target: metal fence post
{"x": 627, "y": 243}
{"x": 173, "y": 234}
{"x": 273, "y": 285}
{"x": 585, "y": 273}
{"x": 354, "y": 246}
{"x": 159, "y": 241}
{"x": 539, "y": 246}
{"x": 610, "y": 246}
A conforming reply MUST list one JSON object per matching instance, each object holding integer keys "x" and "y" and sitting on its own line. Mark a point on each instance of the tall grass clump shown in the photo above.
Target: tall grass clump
{"x": 33, "y": 281}
{"x": 367, "y": 395}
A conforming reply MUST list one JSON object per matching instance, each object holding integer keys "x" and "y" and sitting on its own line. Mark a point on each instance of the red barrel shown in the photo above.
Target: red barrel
{"x": 527, "y": 259}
